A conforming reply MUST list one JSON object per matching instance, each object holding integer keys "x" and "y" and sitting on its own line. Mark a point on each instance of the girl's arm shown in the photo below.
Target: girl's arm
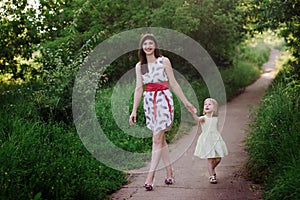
{"x": 175, "y": 86}
{"x": 200, "y": 119}
{"x": 137, "y": 93}
{"x": 196, "y": 118}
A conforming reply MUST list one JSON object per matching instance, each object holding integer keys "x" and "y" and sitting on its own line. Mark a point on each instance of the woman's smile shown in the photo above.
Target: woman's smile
{"x": 148, "y": 47}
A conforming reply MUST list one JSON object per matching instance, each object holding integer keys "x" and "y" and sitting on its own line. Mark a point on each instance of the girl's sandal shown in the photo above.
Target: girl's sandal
{"x": 148, "y": 187}
{"x": 212, "y": 180}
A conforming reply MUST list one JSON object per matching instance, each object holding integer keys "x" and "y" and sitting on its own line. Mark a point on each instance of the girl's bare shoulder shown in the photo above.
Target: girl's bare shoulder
{"x": 202, "y": 119}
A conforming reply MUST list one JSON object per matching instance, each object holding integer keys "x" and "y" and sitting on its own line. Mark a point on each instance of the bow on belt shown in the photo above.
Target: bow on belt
{"x": 155, "y": 87}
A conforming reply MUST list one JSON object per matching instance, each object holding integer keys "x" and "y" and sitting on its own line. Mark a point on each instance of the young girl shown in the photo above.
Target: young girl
{"x": 210, "y": 144}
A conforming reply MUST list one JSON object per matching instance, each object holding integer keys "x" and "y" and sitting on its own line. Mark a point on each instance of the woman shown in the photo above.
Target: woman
{"x": 156, "y": 73}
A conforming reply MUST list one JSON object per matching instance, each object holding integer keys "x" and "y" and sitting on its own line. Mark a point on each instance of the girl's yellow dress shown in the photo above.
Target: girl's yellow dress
{"x": 210, "y": 144}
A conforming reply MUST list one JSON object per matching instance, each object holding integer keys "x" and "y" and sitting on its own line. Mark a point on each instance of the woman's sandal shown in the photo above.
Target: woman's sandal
{"x": 212, "y": 180}
{"x": 170, "y": 181}
{"x": 148, "y": 187}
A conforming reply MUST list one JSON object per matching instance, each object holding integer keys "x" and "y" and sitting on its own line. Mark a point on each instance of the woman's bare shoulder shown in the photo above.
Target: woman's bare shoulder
{"x": 138, "y": 64}
{"x": 165, "y": 60}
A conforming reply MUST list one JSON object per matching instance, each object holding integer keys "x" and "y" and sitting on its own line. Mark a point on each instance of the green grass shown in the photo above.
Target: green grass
{"x": 274, "y": 138}
{"x": 46, "y": 159}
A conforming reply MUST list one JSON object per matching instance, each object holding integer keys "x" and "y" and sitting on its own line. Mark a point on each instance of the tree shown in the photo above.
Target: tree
{"x": 278, "y": 15}
{"x": 18, "y": 32}
{"x": 220, "y": 27}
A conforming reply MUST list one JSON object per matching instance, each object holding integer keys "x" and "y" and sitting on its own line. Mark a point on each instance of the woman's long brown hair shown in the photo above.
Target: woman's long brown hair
{"x": 142, "y": 54}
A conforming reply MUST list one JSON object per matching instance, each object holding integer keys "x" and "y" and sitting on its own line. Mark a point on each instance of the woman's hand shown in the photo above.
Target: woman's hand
{"x": 190, "y": 107}
{"x": 132, "y": 118}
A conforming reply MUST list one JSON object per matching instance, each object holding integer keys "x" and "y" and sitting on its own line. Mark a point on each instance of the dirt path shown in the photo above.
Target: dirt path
{"x": 191, "y": 173}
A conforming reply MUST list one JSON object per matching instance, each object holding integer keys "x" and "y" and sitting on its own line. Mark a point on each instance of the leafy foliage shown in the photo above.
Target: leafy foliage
{"x": 18, "y": 33}
{"x": 278, "y": 15}
{"x": 68, "y": 25}
{"x": 220, "y": 28}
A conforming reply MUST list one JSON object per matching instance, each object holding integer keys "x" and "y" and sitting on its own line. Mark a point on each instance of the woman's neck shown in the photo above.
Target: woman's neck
{"x": 150, "y": 58}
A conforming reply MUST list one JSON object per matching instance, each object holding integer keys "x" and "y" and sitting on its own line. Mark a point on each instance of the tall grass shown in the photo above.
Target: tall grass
{"x": 46, "y": 160}
{"x": 274, "y": 138}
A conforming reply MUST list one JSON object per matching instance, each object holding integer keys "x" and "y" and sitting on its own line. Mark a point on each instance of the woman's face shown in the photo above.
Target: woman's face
{"x": 148, "y": 46}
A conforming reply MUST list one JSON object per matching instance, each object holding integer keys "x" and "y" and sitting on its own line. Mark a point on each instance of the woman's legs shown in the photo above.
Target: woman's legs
{"x": 166, "y": 158}
{"x": 157, "y": 144}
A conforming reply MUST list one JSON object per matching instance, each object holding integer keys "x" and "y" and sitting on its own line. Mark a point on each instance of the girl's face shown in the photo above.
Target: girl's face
{"x": 209, "y": 107}
{"x": 148, "y": 46}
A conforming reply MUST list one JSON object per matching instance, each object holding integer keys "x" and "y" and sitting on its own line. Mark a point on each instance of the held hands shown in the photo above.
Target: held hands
{"x": 190, "y": 108}
{"x": 132, "y": 118}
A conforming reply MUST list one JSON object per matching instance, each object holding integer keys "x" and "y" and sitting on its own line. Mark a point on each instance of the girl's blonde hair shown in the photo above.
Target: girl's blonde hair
{"x": 215, "y": 103}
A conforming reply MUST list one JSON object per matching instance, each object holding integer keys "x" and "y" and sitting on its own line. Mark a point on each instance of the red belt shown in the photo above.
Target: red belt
{"x": 155, "y": 87}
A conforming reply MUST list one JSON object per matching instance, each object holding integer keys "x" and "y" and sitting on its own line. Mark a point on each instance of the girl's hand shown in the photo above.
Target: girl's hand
{"x": 195, "y": 116}
{"x": 132, "y": 117}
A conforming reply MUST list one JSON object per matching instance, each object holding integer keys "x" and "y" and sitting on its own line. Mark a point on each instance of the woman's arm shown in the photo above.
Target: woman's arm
{"x": 137, "y": 93}
{"x": 175, "y": 86}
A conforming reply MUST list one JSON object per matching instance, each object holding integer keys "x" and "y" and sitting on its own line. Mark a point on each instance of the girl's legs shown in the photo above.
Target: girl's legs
{"x": 210, "y": 164}
{"x": 157, "y": 144}
{"x": 211, "y": 170}
{"x": 216, "y": 162}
